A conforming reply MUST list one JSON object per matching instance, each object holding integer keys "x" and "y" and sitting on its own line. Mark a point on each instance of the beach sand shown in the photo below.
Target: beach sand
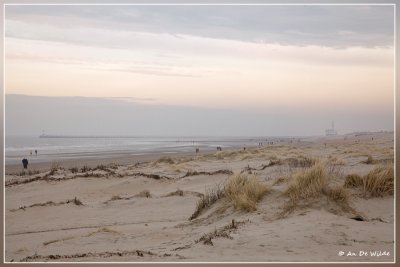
{"x": 139, "y": 210}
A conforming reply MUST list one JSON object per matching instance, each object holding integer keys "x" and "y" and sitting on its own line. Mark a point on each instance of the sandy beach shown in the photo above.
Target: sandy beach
{"x": 95, "y": 160}
{"x": 142, "y": 209}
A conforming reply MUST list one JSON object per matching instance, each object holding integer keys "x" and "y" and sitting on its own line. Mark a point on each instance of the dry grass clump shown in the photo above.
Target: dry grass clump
{"x": 335, "y": 171}
{"x": 85, "y": 168}
{"x": 241, "y": 191}
{"x": 145, "y": 193}
{"x": 180, "y": 167}
{"x": 116, "y": 197}
{"x": 228, "y": 154}
{"x": 273, "y": 162}
{"x": 225, "y": 232}
{"x": 337, "y": 194}
{"x": 74, "y": 169}
{"x": 113, "y": 165}
{"x": 369, "y": 160}
{"x": 219, "y": 155}
{"x": 101, "y": 167}
{"x": 193, "y": 173}
{"x": 207, "y": 238}
{"x": 280, "y": 180}
{"x": 273, "y": 157}
{"x": 167, "y": 160}
{"x": 54, "y": 167}
{"x": 313, "y": 183}
{"x": 353, "y": 180}
{"x": 385, "y": 161}
{"x": 244, "y": 192}
{"x": 211, "y": 196}
{"x": 336, "y": 161}
{"x": 77, "y": 202}
{"x": 379, "y": 181}
{"x": 308, "y": 184}
{"x": 50, "y": 203}
{"x": 29, "y": 172}
{"x": 32, "y": 172}
{"x": 341, "y": 197}
{"x": 301, "y": 162}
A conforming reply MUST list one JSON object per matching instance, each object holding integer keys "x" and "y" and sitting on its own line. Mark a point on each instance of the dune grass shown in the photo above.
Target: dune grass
{"x": 341, "y": 197}
{"x": 85, "y": 168}
{"x": 336, "y": 161}
{"x": 353, "y": 180}
{"x": 337, "y": 194}
{"x": 369, "y": 160}
{"x": 54, "y": 167}
{"x": 179, "y": 167}
{"x": 113, "y": 165}
{"x": 280, "y": 180}
{"x": 241, "y": 191}
{"x": 309, "y": 185}
{"x": 227, "y": 154}
{"x": 77, "y": 202}
{"x": 116, "y": 197}
{"x": 302, "y": 161}
{"x": 225, "y": 232}
{"x": 29, "y": 172}
{"x": 101, "y": 167}
{"x": 167, "y": 160}
{"x": 377, "y": 183}
{"x": 74, "y": 169}
{"x": 244, "y": 192}
{"x": 211, "y": 196}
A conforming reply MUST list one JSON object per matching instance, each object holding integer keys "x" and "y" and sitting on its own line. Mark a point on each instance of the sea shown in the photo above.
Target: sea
{"x": 58, "y": 148}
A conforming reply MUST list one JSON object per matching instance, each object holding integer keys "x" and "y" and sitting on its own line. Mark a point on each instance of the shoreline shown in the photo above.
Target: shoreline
{"x": 125, "y": 157}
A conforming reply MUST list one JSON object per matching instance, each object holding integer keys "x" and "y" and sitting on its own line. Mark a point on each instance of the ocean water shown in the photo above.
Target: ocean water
{"x": 53, "y": 149}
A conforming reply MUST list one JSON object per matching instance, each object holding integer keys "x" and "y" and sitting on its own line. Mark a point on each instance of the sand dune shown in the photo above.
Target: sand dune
{"x": 140, "y": 212}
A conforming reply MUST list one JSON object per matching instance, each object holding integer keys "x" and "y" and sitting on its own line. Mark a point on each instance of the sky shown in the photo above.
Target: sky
{"x": 224, "y": 70}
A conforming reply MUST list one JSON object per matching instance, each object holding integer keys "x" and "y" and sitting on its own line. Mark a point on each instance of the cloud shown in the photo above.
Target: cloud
{"x": 150, "y": 71}
{"x": 212, "y": 57}
{"x": 146, "y": 52}
{"x": 333, "y": 26}
{"x": 99, "y": 100}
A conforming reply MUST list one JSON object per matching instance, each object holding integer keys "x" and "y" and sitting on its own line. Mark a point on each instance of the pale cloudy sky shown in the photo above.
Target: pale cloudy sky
{"x": 330, "y": 60}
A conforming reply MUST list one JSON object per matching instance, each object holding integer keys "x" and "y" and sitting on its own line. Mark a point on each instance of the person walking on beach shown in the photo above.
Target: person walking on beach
{"x": 36, "y": 152}
{"x": 25, "y": 163}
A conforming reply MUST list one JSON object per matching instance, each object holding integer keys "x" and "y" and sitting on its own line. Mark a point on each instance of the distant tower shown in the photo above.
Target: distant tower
{"x": 331, "y": 131}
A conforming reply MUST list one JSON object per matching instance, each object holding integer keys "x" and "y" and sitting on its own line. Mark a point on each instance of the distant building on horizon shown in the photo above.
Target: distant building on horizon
{"x": 331, "y": 131}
